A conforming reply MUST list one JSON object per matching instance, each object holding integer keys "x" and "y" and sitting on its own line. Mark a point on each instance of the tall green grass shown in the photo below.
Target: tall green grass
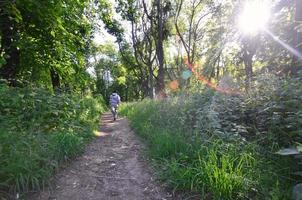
{"x": 39, "y": 131}
{"x": 203, "y": 143}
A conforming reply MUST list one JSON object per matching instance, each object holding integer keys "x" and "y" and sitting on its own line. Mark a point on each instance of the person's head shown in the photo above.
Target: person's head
{"x": 114, "y": 91}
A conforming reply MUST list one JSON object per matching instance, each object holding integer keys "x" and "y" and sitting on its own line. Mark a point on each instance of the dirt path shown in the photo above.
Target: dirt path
{"x": 111, "y": 168}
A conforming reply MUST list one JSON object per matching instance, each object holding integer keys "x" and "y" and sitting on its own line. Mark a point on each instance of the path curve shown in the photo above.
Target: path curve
{"x": 111, "y": 168}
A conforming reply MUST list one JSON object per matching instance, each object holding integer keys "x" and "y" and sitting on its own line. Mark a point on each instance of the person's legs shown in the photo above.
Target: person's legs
{"x": 113, "y": 111}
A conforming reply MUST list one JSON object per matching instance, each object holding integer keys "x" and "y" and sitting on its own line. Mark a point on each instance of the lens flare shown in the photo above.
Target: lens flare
{"x": 208, "y": 83}
{"x": 186, "y": 74}
{"x": 289, "y": 48}
{"x": 174, "y": 85}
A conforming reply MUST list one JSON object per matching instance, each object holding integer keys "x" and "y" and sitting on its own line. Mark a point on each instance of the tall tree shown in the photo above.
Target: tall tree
{"x": 159, "y": 46}
{"x": 44, "y": 42}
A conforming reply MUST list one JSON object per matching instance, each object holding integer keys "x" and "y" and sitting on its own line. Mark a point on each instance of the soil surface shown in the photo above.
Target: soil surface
{"x": 111, "y": 168}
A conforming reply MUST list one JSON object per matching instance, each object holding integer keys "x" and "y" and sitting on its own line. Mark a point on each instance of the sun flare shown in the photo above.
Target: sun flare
{"x": 254, "y": 16}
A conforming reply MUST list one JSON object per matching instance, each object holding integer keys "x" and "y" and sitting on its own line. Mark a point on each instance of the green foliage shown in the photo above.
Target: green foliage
{"x": 50, "y": 36}
{"x": 224, "y": 146}
{"x": 189, "y": 162}
{"x": 39, "y": 131}
{"x": 112, "y": 25}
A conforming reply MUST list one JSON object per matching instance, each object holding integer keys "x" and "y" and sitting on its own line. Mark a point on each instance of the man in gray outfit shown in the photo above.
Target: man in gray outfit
{"x": 114, "y": 101}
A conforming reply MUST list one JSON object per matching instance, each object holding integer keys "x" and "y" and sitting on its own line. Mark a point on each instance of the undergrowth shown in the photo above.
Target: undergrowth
{"x": 222, "y": 146}
{"x": 39, "y": 131}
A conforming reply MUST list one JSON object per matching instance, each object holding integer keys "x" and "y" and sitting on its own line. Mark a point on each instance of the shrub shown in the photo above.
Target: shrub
{"x": 224, "y": 145}
{"x": 40, "y": 130}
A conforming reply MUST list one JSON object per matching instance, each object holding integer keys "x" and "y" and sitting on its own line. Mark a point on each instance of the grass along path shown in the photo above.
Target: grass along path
{"x": 112, "y": 167}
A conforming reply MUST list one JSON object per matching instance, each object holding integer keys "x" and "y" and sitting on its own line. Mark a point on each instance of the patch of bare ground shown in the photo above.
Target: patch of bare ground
{"x": 111, "y": 168}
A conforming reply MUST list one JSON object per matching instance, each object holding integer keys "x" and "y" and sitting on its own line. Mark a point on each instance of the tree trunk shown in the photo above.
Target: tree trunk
{"x": 298, "y": 15}
{"x": 297, "y": 40}
{"x": 151, "y": 84}
{"x": 8, "y": 44}
{"x": 55, "y": 79}
{"x": 248, "y": 63}
{"x": 249, "y": 49}
{"x": 145, "y": 85}
{"x": 159, "y": 49}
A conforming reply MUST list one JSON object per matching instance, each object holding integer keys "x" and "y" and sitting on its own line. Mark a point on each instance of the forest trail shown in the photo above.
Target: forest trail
{"x": 111, "y": 168}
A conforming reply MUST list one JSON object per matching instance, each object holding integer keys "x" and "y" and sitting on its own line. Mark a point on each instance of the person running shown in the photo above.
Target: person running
{"x": 114, "y": 101}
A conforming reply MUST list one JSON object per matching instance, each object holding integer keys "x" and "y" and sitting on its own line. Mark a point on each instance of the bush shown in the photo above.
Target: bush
{"x": 40, "y": 130}
{"x": 224, "y": 146}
